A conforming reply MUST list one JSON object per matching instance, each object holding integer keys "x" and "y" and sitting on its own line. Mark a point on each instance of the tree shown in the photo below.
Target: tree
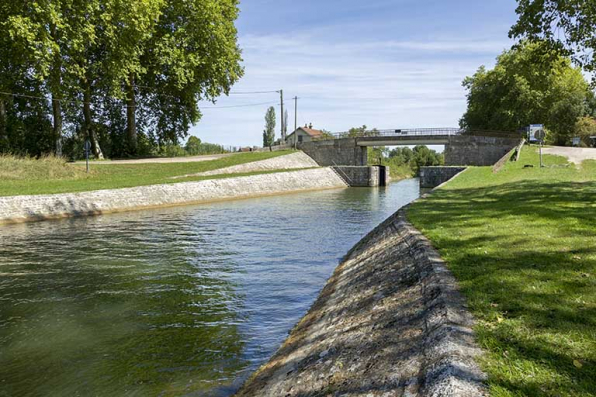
{"x": 326, "y": 135}
{"x": 566, "y": 26}
{"x": 269, "y": 132}
{"x": 520, "y": 91}
{"x": 356, "y": 132}
{"x": 585, "y": 128}
{"x": 193, "y": 146}
{"x": 192, "y": 56}
{"x": 425, "y": 157}
{"x": 92, "y": 64}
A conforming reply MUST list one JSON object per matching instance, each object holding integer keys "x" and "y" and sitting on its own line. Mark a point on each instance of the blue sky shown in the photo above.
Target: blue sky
{"x": 383, "y": 63}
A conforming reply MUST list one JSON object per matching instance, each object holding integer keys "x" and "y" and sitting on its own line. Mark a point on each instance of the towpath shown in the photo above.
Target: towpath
{"x": 575, "y": 154}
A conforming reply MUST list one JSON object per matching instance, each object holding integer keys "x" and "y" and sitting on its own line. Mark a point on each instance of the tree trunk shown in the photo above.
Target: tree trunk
{"x": 131, "y": 123}
{"x": 57, "y": 127}
{"x": 3, "y": 123}
{"x": 55, "y": 86}
{"x": 89, "y": 132}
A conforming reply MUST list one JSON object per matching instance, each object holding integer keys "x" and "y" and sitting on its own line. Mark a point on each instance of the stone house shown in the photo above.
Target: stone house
{"x": 304, "y": 134}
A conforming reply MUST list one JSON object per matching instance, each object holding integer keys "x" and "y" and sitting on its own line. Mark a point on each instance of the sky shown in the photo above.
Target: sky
{"x": 386, "y": 64}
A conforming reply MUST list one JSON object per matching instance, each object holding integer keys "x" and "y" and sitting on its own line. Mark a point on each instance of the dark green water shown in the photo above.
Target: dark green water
{"x": 184, "y": 301}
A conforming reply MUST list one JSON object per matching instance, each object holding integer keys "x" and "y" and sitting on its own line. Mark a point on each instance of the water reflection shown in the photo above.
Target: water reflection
{"x": 171, "y": 301}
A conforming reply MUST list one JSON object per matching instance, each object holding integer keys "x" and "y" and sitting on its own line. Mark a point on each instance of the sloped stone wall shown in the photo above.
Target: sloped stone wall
{"x": 31, "y": 208}
{"x": 389, "y": 322}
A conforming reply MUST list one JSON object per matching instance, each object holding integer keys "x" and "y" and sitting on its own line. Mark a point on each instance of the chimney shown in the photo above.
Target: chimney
{"x": 310, "y": 126}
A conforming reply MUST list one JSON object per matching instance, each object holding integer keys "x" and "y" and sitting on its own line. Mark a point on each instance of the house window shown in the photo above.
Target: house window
{"x": 300, "y": 138}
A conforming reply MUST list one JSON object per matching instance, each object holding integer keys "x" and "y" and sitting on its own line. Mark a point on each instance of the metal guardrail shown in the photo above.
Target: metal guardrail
{"x": 413, "y": 132}
{"x": 400, "y": 132}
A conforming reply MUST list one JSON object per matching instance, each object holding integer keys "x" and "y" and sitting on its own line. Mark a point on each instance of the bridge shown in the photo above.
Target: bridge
{"x": 462, "y": 147}
{"x": 422, "y": 136}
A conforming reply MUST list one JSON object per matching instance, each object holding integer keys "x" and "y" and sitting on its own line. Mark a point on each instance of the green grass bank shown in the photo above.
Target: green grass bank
{"x": 522, "y": 244}
{"x": 51, "y": 175}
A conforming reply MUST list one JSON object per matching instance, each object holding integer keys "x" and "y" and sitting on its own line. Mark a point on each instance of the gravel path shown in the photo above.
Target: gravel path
{"x": 162, "y": 160}
{"x": 575, "y": 155}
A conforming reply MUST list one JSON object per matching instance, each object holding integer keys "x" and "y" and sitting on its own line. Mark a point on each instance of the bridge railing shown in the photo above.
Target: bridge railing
{"x": 413, "y": 132}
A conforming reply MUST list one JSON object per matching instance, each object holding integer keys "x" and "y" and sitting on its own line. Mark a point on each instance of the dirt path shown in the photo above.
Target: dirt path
{"x": 575, "y": 154}
{"x": 161, "y": 160}
{"x": 292, "y": 161}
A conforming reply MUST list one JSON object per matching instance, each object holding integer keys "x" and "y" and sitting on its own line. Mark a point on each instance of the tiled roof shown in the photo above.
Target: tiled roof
{"x": 312, "y": 132}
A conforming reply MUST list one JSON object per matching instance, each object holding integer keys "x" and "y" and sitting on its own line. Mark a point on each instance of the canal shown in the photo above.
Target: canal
{"x": 170, "y": 302}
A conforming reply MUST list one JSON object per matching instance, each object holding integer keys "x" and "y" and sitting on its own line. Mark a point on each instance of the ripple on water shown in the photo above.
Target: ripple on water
{"x": 170, "y": 301}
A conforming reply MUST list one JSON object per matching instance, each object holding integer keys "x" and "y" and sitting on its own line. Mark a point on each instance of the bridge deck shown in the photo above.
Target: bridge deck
{"x": 420, "y": 136}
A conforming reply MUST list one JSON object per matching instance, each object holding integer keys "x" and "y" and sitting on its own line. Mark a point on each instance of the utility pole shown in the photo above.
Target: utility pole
{"x": 295, "y": 121}
{"x": 283, "y": 135}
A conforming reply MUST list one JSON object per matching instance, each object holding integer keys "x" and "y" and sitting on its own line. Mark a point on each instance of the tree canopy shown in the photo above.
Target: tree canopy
{"x": 520, "y": 91}
{"x": 567, "y": 26}
{"x": 128, "y": 75}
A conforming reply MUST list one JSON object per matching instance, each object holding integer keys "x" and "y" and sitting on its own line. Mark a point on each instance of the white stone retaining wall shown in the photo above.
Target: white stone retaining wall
{"x": 292, "y": 161}
{"x": 30, "y": 208}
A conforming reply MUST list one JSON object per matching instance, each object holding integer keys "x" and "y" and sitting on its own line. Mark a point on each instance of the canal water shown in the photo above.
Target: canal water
{"x": 170, "y": 302}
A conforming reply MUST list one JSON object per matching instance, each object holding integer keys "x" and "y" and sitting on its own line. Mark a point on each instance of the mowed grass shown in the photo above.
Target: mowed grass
{"x": 19, "y": 176}
{"x": 522, "y": 244}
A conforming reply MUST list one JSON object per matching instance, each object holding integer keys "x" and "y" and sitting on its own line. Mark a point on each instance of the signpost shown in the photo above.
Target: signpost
{"x": 87, "y": 148}
{"x": 540, "y": 135}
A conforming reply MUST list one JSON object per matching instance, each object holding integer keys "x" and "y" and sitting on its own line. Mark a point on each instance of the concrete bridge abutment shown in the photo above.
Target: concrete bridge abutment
{"x": 460, "y": 150}
{"x": 481, "y": 151}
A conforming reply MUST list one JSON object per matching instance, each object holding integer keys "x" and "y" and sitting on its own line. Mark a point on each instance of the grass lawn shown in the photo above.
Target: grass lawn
{"x": 50, "y": 175}
{"x": 522, "y": 244}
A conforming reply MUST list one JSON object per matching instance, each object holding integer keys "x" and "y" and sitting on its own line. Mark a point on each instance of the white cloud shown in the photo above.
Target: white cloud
{"x": 385, "y": 84}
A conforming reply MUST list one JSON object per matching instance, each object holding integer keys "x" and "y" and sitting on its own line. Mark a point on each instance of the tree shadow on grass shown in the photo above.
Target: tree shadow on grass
{"x": 525, "y": 255}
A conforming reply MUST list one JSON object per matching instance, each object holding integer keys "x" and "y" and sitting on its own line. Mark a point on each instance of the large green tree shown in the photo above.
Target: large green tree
{"x": 155, "y": 60}
{"x": 192, "y": 56}
{"x": 567, "y": 26}
{"x": 528, "y": 85}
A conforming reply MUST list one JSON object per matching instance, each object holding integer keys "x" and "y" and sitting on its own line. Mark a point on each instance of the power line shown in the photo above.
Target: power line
{"x": 253, "y": 92}
{"x": 127, "y": 106}
{"x": 241, "y": 106}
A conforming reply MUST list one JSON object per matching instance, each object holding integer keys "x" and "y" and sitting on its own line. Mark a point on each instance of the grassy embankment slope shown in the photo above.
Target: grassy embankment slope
{"x": 52, "y": 175}
{"x": 522, "y": 244}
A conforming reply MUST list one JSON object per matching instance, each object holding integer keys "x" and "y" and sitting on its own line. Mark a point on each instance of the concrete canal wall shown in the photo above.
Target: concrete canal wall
{"x": 369, "y": 176}
{"x": 431, "y": 177}
{"x": 31, "y": 208}
{"x": 389, "y": 322}
{"x": 335, "y": 152}
{"x": 477, "y": 150}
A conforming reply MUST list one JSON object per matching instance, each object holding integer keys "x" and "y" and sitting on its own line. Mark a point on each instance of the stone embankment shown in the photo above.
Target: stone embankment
{"x": 293, "y": 161}
{"x": 389, "y": 322}
{"x": 30, "y": 208}
{"x": 433, "y": 176}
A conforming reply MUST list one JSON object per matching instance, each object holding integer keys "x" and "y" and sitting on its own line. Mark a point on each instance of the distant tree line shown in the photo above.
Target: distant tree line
{"x": 127, "y": 75}
{"x": 404, "y": 161}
